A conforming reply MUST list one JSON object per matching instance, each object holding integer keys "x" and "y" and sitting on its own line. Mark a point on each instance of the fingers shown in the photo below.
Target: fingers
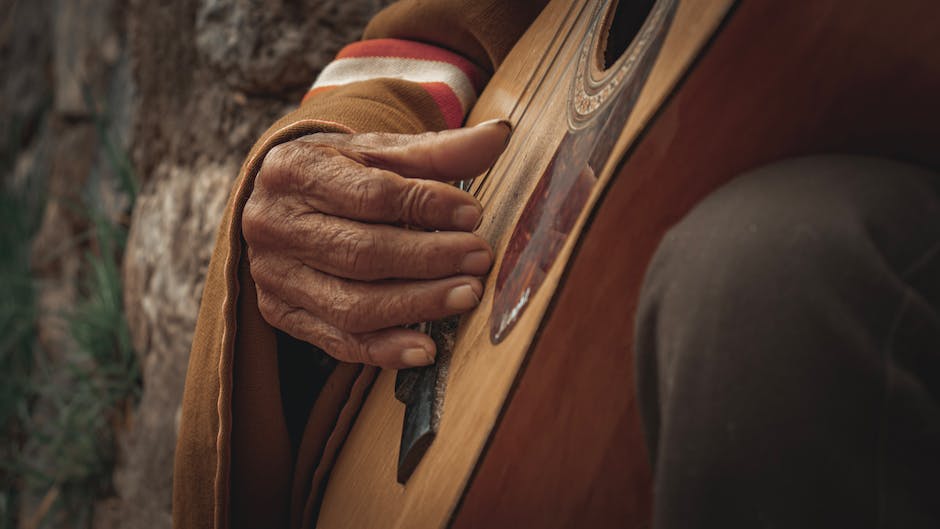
{"x": 324, "y": 231}
{"x": 369, "y": 252}
{"x": 392, "y": 348}
{"x": 358, "y": 325}
{"x": 328, "y": 181}
{"x": 360, "y": 307}
{"x": 446, "y": 156}
{"x": 382, "y": 196}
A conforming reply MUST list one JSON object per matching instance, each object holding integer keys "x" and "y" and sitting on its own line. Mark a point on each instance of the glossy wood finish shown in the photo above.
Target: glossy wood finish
{"x": 362, "y": 490}
{"x": 599, "y": 103}
{"x": 782, "y": 79}
{"x": 542, "y": 429}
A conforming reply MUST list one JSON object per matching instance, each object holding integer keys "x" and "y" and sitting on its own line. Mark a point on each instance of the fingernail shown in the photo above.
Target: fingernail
{"x": 462, "y": 298}
{"x": 475, "y": 263}
{"x": 416, "y": 356}
{"x": 467, "y": 217}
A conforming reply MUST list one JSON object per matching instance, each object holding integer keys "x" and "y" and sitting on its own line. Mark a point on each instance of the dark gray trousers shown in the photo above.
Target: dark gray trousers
{"x": 788, "y": 351}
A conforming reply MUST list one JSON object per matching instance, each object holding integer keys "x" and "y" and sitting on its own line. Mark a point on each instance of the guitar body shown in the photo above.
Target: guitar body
{"x": 540, "y": 426}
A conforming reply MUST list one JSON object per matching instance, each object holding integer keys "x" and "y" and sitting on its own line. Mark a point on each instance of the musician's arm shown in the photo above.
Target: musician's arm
{"x": 419, "y": 68}
{"x": 232, "y": 340}
{"x": 408, "y": 50}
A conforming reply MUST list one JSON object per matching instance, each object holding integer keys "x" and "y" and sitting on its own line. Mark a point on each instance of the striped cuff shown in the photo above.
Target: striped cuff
{"x": 451, "y": 80}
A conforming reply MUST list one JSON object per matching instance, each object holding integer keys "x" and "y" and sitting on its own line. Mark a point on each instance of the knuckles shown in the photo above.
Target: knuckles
{"x": 264, "y": 272}
{"x": 325, "y": 173}
{"x": 255, "y": 221}
{"x": 274, "y": 311}
{"x": 291, "y": 174}
{"x": 290, "y": 320}
{"x": 375, "y": 195}
{"x": 345, "y": 311}
{"x": 276, "y": 166}
{"x": 355, "y": 311}
{"x": 352, "y": 252}
{"x": 274, "y": 225}
{"x": 337, "y": 347}
{"x": 342, "y": 345}
{"x": 358, "y": 253}
{"x": 418, "y": 204}
{"x": 290, "y": 166}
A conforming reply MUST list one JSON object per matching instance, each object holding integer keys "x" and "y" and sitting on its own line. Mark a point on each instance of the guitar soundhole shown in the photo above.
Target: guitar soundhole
{"x": 599, "y": 104}
{"x": 622, "y": 27}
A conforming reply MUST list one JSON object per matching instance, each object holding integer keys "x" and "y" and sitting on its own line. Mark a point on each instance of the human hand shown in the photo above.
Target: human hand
{"x": 329, "y": 250}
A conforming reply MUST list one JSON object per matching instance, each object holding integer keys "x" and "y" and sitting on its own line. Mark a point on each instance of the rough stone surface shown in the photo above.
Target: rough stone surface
{"x": 25, "y": 65}
{"x": 272, "y": 48}
{"x": 202, "y": 97}
{"x": 87, "y": 43}
{"x": 230, "y": 69}
{"x": 165, "y": 267}
{"x": 59, "y": 64}
{"x": 62, "y": 224}
{"x": 185, "y": 86}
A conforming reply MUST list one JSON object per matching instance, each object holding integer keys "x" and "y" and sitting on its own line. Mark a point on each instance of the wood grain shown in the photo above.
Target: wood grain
{"x": 780, "y": 80}
{"x": 547, "y": 435}
{"x": 362, "y": 490}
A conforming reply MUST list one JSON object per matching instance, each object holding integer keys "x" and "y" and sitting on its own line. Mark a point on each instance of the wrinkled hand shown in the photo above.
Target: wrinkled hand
{"x": 329, "y": 250}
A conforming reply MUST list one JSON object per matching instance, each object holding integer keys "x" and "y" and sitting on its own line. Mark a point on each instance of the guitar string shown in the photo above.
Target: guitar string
{"x": 485, "y": 186}
{"x": 426, "y": 327}
{"x": 505, "y": 174}
{"x": 488, "y": 182}
{"x": 536, "y": 91}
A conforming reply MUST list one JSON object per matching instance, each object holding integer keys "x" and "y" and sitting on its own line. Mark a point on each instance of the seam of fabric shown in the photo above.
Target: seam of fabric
{"x": 229, "y": 303}
{"x": 345, "y": 421}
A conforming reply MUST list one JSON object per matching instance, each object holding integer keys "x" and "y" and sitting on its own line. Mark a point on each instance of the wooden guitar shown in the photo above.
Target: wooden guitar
{"x": 625, "y": 115}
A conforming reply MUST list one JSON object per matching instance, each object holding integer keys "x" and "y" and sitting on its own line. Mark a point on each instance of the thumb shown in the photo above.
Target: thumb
{"x": 447, "y": 156}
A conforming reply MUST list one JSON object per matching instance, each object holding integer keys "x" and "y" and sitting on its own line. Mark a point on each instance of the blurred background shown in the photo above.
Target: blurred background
{"x": 122, "y": 126}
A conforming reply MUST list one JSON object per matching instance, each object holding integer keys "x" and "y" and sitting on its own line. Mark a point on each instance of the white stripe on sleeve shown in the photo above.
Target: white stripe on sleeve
{"x": 354, "y": 69}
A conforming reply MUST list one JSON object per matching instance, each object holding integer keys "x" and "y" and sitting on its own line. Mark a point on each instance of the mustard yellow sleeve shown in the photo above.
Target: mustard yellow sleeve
{"x": 420, "y": 64}
{"x": 420, "y": 67}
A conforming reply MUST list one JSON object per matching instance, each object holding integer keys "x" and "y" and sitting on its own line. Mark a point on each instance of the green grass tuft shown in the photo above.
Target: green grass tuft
{"x": 20, "y": 213}
{"x": 86, "y": 396}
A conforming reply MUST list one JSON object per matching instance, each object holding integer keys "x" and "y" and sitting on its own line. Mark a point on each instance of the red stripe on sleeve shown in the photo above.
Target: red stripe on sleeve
{"x": 447, "y": 102}
{"x": 407, "y": 49}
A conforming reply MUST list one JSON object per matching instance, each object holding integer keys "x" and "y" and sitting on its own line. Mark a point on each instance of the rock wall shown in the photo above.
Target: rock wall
{"x": 183, "y": 87}
{"x": 211, "y": 75}
{"x": 64, "y": 104}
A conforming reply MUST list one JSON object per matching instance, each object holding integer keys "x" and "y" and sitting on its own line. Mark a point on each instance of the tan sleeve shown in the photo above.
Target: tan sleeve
{"x": 234, "y": 351}
{"x": 483, "y": 31}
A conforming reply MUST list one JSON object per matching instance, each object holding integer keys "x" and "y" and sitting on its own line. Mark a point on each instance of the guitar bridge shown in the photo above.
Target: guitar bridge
{"x": 421, "y": 389}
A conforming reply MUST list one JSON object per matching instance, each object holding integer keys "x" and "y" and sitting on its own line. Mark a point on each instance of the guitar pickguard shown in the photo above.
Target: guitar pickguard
{"x": 599, "y": 104}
